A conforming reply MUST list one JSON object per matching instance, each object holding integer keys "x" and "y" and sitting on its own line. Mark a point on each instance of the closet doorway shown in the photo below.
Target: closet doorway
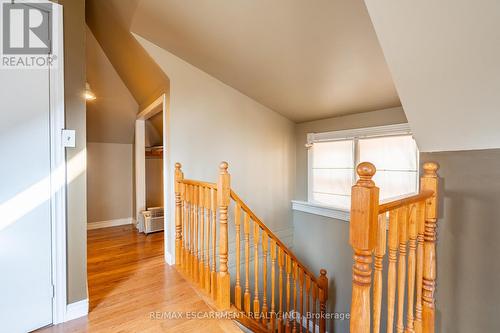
{"x": 151, "y": 173}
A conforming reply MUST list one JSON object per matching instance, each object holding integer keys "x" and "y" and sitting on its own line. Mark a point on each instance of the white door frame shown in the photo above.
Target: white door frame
{"x": 140, "y": 164}
{"x": 58, "y": 172}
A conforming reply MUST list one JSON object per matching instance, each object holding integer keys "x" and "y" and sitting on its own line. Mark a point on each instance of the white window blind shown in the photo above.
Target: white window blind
{"x": 332, "y": 172}
{"x": 332, "y": 161}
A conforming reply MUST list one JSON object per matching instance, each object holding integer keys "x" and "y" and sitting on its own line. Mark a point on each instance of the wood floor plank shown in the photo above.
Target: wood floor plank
{"x": 128, "y": 280}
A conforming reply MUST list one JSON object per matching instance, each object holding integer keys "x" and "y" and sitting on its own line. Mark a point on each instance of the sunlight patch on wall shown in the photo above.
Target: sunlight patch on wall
{"x": 24, "y": 202}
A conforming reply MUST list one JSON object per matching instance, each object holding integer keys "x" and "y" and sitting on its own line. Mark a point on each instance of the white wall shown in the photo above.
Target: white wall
{"x": 211, "y": 122}
{"x": 444, "y": 58}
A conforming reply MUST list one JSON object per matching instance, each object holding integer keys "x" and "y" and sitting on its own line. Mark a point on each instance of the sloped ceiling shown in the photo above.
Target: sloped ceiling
{"x": 111, "y": 116}
{"x": 305, "y": 60}
{"x": 445, "y": 60}
{"x": 109, "y": 21}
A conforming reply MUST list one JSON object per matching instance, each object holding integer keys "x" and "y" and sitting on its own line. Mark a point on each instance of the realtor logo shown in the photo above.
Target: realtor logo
{"x": 29, "y": 36}
{"x": 27, "y": 28}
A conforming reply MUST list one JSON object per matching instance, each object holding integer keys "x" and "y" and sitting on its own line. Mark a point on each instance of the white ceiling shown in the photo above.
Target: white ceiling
{"x": 305, "y": 60}
{"x": 445, "y": 60}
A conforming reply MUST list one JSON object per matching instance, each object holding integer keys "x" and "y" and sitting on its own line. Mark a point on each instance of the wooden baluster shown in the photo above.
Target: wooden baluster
{"x": 403, "y": 239}
{"x": 391, "y": 274}
{"x": 412, "y": 247}
{"x": 314, "y": 302}
{"x": 323, "y": 297}
{"x": 191, "y": 230}
{"x": 246, "y": 295}
{"x": 295, "y": 275}
{"x": 288, "y": 283}
{"x": 264, "y": 278}
{"x": 301, "y": 300}
{"x": 308, "y": 298}
{"x": 201, "y": 269}
{"x": 223, "y": 200}
{"x": 191, "y": 216}
{"x": 213, "y": 212}
{"x": 377, "y": 278}
{"x": 273, "y": 284}
{"x": 206, "y": 272}
{"x": 237, "y": 287}
{"x": 256, "y": 306}
{"x": 429, "y": 182}
{"x": 178, "y": 214}
{"x": 420, "y": 264}
{"x": 196, "y": 261}
{"x": 187, "y": 219}
{"x": 281, "y": 264}
{"x": 362, "y": 237}
{"x": 183, "y": 220}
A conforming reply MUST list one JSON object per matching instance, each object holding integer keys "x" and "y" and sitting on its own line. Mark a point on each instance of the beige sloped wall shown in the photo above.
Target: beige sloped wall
{"x": 212, "y": 122}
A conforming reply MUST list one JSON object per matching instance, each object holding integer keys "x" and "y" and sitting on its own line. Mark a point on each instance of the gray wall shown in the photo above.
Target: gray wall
{"x": 360, "y": 120}
{"x": 323, "y": 242}
{"x": 74, "y": 86}
{"x": 468, "y": 247}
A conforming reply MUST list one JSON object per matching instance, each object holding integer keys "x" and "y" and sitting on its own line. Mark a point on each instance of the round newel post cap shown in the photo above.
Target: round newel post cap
{"x": 430, "y": 168}
{"x": 366, "y": 171}
{"x": 223, "y": 167}
{"x": 322, "y": 272}
{"x": 178, "y": 165}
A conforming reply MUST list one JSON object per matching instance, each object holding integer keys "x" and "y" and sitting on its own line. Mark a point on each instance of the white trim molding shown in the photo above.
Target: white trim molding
{"x": 320, "y": 209}
{"x": 77, "y": 310}
{"x": 58, "y": 169}
{"x": 110, "y": 223}
{"x": 386, "y": 130}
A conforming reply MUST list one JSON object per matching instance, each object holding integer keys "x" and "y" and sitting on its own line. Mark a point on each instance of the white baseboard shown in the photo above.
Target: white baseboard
{"x": 77, "y": 310}
{"x": 169, "y": 259}
{"x": 110, "y": 223}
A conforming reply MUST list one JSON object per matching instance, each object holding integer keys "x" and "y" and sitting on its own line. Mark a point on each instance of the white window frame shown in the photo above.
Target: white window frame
{"x": 352, "y": 134}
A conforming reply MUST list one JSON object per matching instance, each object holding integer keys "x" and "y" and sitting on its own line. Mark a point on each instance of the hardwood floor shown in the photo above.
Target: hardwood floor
{"x": 128, "y": 280}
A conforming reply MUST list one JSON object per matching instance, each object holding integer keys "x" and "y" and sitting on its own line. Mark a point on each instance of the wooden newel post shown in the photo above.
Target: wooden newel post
{"x": 223, "y": 199}
{"x": 429, "y": 182}
{"x": 362, "y": 237}
{"x": 179, "y": 176}
{"x": 323, "y": 297}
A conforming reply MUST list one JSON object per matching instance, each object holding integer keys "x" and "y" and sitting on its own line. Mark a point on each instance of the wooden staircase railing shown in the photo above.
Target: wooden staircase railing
{"x": 277, "y": 293}
{"x": 411, "y": 239}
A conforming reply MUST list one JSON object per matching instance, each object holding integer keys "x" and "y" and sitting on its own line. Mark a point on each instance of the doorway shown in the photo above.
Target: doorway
{"x": 151, "y": 169}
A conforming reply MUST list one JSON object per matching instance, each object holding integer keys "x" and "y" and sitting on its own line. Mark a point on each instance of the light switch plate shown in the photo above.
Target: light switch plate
{"x": 68, "y": 138}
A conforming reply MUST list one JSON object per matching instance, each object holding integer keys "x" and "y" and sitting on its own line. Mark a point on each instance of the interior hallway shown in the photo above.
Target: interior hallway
{"x": 128, "y": 279}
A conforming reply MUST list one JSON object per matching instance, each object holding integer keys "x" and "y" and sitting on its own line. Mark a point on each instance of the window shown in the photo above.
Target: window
{"x": 333, "y": 157}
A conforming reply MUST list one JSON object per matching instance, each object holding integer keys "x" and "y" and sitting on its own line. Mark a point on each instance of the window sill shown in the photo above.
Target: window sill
{"x": 321, "y": 210}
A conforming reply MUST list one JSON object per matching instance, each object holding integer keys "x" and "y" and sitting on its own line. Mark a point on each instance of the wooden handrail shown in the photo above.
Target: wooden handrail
{"x": 400, "y": 202}
{"x": 280, "y": 244}
{"x": 199, "y": 183}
